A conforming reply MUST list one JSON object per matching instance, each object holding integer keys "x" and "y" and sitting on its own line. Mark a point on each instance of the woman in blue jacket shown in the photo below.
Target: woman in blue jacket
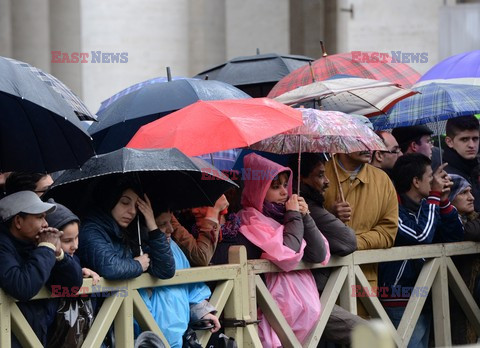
{"x": 108, "y": 239}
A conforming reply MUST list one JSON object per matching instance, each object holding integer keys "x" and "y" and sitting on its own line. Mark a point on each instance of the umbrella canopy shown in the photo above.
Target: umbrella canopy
{"x": 436, "y": 102}
{"x": 40, "y": 124}
{"x": 165, "y": 174}
{"x": 133, "y": 88}
{"x": 211, "y": 126}
{"x": 348, "y": 64}
{"x": 349, "y": 94}
{"x": 323, "y": 131}
{"x": 121, "y": 119}
{"x": 463, "y": 68}
{"x": 255, "y": 75}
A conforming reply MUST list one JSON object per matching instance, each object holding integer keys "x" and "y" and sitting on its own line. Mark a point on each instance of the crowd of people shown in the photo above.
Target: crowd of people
{"x": 402, "y": 196}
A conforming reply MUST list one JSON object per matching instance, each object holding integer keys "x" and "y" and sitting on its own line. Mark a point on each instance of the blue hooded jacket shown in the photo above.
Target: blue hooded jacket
{"x": 171, "y": 306}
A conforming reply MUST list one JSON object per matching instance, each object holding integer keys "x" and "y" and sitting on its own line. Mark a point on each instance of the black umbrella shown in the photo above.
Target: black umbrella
{"x": 166, "y": 175}
{"x": 119, "y": 121}
{"x": 255, "y": 75}
{"x": 40, "y": 121}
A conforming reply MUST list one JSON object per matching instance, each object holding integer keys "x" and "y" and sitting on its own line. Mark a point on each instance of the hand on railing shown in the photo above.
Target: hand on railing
{"x": 144, "y": 261}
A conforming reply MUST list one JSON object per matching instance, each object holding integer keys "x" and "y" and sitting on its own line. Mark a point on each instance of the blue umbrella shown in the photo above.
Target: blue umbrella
{"x": 463, "y": 68}
{"x": 133, "y": 88}
{"x": 435, "y": 102}
{"x": 119, "y": 121}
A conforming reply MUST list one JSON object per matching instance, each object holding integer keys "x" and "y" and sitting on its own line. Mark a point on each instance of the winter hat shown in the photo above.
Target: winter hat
{"x": 61, "y": 216}
{"x": 459, "y": 184}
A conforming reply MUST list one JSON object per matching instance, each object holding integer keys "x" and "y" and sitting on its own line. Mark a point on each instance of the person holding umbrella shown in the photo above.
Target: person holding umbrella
{"x": 108, "y": 239}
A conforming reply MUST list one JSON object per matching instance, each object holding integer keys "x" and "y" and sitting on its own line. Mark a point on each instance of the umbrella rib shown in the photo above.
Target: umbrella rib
{"x": 366, "y": 101}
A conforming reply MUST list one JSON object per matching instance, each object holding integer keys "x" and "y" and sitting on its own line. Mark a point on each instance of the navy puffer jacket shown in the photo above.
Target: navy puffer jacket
{"x": 101, "y": 248}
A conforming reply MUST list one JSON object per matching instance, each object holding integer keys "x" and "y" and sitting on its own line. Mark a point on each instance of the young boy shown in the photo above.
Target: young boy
{"x": 461, "y": 152}
{"x": 60, "y": 333}
{"x": 425, "y": 217}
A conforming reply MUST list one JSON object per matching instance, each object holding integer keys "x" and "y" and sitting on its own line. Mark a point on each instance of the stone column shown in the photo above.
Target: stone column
{"x": 31, "y": 32}
{"x": 207, "y": 42}
{"x": 5, "y": 28}
{"x": 65, "y": 34}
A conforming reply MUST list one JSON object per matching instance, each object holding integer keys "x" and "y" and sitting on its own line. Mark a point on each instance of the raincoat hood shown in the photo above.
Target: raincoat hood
{"x": 258, "y": 175}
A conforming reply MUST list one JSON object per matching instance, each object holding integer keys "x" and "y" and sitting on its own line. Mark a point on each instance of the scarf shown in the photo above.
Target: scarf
{"x": 275, "y": 211}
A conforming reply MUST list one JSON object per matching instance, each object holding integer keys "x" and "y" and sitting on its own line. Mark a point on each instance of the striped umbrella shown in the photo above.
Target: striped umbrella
{"x": 435, "y": 102}
{"x": 347, "y": 64}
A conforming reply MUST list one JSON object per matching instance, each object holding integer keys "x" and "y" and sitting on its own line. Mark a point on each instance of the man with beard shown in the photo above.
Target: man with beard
{"x": 341, "y": 238}
{"x": 372, "y": 203}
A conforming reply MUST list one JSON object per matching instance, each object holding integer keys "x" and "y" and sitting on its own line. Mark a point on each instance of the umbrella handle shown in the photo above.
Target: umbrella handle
{"x": 337, "y": 177}
{"x": 139, "y": 238}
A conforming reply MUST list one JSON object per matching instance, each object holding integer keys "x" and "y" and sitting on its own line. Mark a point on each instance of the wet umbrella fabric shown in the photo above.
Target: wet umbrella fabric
{"x": 463, "y": 68}
{"x": 351, "y": 95}
{"x": 134, "y": 88}
{"x": 40, "y": 124}
{"x": 323, "y": 131}
{"x": 435, "y": 102}
{"x": 347, "y": 64}
{"x": 122, "y": 118}
{"x": 165, "y": 174}
{"x": 255, "y": 75}
{"x": 218, "y": 125}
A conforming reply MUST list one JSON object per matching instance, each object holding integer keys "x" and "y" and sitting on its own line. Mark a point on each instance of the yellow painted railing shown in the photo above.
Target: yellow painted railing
{"x": 240, "y": 289}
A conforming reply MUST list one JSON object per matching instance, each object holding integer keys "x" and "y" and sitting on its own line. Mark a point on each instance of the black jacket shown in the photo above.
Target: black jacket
{"x": 25, "y": 269}
{"x": 465, "y": 168}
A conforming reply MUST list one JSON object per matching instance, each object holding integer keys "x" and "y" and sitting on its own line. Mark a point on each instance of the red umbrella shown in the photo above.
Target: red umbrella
{"x": 347, "y": 64}
{"x": 210, "y": 126}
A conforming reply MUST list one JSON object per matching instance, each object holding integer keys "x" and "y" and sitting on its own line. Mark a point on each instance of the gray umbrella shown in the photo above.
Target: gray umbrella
{"x": 40, "y": 121}
{"x": 166, "y": 175}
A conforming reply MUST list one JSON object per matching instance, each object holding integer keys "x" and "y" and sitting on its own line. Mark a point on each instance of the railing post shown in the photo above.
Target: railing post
{"x": 237, "y": 306}
{"x": 346, "y": 300}
{"x": 441, "y": 309}
{"x": 123, "y": 323}
{"x": 5, "y": 328}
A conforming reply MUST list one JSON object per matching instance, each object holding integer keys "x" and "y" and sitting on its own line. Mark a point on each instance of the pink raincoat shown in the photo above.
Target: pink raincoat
{"x": 295, "y": 292}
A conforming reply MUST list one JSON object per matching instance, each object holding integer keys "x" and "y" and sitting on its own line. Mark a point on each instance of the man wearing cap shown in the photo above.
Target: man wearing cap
{"x": 31, "y": 257}
{"x": 414, "y": 139}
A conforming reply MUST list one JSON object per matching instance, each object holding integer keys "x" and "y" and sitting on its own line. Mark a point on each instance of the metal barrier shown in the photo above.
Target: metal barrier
{"x": 240, "y": 289}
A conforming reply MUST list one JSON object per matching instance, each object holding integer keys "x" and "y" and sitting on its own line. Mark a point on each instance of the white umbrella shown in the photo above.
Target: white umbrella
{"x": 350, "y": 95}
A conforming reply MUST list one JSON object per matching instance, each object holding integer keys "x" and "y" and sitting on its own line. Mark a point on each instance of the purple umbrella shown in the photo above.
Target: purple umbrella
{"x": 463, "y": 68}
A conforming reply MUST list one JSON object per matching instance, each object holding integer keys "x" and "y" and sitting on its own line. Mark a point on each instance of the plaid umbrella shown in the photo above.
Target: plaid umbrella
{"x": 349, "y": 64}
{"x": 463, "y": 68}
{"x": 436, "y": 102}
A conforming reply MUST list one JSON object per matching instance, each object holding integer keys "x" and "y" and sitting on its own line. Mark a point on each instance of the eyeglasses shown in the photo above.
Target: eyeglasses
{"x": 394, "y": 152}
